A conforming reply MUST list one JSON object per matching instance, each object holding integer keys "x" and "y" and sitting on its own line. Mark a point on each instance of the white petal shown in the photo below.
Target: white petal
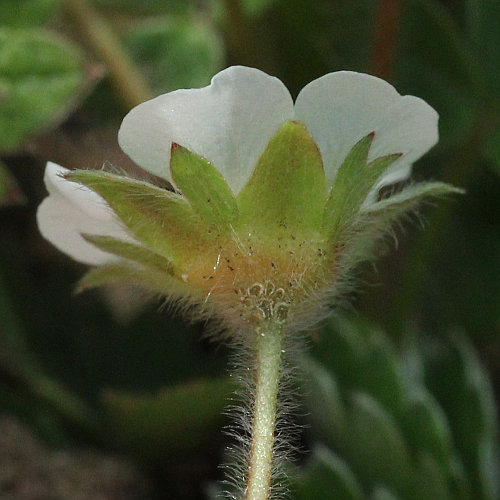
{"x": 341, "y": 108}
{"x": 69, "y": 211}
{"x": 229, "y": 123}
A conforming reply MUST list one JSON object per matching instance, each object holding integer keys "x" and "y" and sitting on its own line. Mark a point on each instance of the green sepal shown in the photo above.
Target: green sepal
{"x": 151, "y": 280}
{"x": 162, "y": 220}
{"x": 376, "y": 220}
{"x": 354, "y": 181}
{"x": 130, "y": 251}
{"x": 287, "y": 189}
{"x": 204, "y": 186}
{"x": 409, "y": 197}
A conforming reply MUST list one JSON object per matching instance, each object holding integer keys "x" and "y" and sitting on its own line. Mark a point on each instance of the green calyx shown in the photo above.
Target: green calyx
{"x": 161, "y": 220}
{"x": 284, "y": 228}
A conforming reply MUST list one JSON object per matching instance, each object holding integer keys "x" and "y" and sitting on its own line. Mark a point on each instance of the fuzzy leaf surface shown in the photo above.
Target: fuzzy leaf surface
{"x": 412, "y": 195}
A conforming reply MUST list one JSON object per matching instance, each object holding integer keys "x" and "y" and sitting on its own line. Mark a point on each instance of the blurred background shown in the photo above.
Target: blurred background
{"x": 109, "y": 395}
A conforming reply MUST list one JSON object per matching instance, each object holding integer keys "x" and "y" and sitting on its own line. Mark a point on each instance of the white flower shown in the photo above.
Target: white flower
{"x": 71, "y": 210}
{"x": 229, "y": 123}
{"x": 275, "y": 203}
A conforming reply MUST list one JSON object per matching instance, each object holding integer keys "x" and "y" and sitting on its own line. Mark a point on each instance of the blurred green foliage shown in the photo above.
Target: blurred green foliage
{"x": 399, "y": 404}
{"x": 27, "y": 13}
{"x": 418, "y": 423}
{"x": 39, "y": 76}
{"x": 176, "y": 51}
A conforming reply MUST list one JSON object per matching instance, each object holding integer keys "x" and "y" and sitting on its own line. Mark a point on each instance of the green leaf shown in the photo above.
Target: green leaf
{"x": 353, "y": 182}
{"x": 327, "y": 477}
{"x": 463, "y": 390}
{"x": 363, "y": 359}
{"x": 25, "y": 13}
{"x": 430, "y": 480}
{"x": 40, "y": 77}
{"x": 342, "y": 349}
{"x": 176, "y": 51}
{"x": 130, "y": 251}
{"x": 286, "y": 191}
{"x": 178, "y": 419}
{"x": 377, "y": 451}
{"x": 162, "y": 220}
{"x": 325, "y": 404}
{"x": 380, "y": 374}
{"x": 426, "y": 429}
{"x": 204, "y": 186}
{"x": 488, "y": 466}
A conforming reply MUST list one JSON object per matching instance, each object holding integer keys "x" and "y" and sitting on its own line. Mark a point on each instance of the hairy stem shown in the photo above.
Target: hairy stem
{"x": 126, "y": 78}
{"x": 269, "y": 348}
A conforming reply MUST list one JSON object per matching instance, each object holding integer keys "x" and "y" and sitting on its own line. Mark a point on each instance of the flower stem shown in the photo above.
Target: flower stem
{"x": 127, "y": 79}
{"x": 269, "y": 347}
